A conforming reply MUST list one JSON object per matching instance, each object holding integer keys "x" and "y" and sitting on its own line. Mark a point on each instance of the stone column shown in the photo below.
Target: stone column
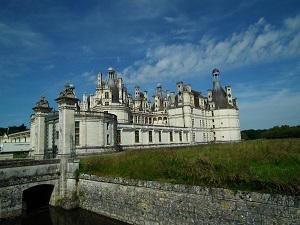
{"x": 41, "y": 110}
{"x": 66, "y": 107}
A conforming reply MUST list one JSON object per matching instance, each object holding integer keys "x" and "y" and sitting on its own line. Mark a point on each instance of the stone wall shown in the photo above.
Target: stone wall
{"x": 147, "y": 202}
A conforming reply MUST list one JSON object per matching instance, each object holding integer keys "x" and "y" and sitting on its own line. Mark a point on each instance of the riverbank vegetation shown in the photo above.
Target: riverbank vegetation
{"x": 271, "y": 166}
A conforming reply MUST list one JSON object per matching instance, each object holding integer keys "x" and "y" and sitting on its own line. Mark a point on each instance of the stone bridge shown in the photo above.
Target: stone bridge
{"x": 28, "y": 184}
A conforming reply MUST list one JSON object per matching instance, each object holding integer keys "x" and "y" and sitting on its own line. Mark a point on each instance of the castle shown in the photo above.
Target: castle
{"x": 111, "y": 118}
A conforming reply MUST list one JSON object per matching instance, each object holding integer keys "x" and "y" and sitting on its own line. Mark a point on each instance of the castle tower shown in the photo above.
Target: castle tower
{"x": 112, "y": 85}
{"x": 66, "y": 106}
{"x": 186, "y": 108}
{"x": 225, "y": 120}
{"x": 37, "y": 127}
{"x": 179, "y": 92}
{"x": 99, "y": 83}
{"x": 146, "y": 95}
{"x": 229, "y": 95}
{"x": 85, "y": 102}
{"x": 136, "y": 92}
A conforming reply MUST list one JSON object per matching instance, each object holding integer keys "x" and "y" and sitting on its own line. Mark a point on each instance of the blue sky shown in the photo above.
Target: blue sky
{"x": 255, "y": 45}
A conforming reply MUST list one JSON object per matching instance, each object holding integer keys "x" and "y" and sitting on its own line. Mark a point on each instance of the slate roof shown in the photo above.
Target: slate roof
{"x": 219, "y": 96}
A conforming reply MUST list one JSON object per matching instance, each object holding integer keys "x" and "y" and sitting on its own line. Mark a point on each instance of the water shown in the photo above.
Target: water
{"x": 57, "y": 216}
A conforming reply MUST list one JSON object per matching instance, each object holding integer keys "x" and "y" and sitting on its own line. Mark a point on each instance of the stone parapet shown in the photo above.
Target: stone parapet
{"x": 149, "y": 202}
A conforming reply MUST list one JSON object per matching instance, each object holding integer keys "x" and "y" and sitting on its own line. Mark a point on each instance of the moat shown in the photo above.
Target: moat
{"x": 58, "y": 216}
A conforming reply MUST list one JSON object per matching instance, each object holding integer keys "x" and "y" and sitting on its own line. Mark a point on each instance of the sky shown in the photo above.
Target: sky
{"x": 255, "y": 45}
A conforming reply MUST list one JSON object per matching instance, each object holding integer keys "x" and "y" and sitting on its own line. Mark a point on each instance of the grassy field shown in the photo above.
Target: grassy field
{"x": 271, "y": 166}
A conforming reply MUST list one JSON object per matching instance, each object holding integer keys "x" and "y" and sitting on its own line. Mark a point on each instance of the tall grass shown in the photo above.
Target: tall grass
{"x": 261, "y": 165}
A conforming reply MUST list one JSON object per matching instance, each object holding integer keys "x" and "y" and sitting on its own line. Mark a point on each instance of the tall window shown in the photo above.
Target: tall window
{"x": 159, "y": 136}
{"x": 150, "y": 136}
{"x": 77, "y": 132}
{"x": 106, "y": 95}
{"x": 107, "y": 139}
{"x": 137, "y": 136}
{"x": 118, "y": 136}
{"x": 171, "y": 136}
{"x": 180, "y": 136}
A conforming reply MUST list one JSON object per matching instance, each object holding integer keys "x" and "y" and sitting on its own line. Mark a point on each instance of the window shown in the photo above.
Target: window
{"x": 77, "y": 132}
{"x": 106, "y": 103}
{"x": 159, "y": 136}
{"x": 171, "y": 136}
{"x": 137, "y": 136}
{"x": 150, "y": 136}
{"x": 106, "y": 95}
{"x": 180, "y": 136}
{"x": 118, "y": 136}
{"x": 193, "y": 122}
{"x": 107, "y": 126}
{"x": 107, "y": 139}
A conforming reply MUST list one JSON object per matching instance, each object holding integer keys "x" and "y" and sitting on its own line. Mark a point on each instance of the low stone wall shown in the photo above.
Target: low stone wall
{"x": 147, "y": 202}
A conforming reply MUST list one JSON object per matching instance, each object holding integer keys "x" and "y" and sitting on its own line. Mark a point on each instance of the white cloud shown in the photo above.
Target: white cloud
{"x": 89, "y": 76}
{"x": 86, "y": 49}
{"x": 260, "y": 42}
{"x": 50, "y": 67}
{"x": 266, "y": 104}
{"x": 277, "y": 108}
{"x": 19, "y": 37}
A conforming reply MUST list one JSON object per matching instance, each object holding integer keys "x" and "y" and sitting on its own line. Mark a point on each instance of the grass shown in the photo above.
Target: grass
{"x": 271, "y": 166}
{"x": 20, "y": 155}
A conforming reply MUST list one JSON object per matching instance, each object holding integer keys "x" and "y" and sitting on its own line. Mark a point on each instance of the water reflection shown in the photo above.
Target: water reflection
{"x": 58, "y": 216}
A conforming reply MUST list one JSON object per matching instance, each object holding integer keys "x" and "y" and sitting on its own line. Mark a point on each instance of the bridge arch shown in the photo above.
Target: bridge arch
{"x": 37, "y": 196}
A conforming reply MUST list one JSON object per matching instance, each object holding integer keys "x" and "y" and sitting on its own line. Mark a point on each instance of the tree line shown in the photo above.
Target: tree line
{"x": 284, "y": 131}
{"x": 12, "y": 130}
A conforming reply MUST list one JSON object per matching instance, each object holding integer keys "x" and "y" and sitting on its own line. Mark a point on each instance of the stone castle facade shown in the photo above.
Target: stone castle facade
{"x": 112, "y": 118}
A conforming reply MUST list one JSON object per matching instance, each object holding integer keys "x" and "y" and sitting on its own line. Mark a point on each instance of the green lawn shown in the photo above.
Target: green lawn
{"x": 271, "y": 166}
